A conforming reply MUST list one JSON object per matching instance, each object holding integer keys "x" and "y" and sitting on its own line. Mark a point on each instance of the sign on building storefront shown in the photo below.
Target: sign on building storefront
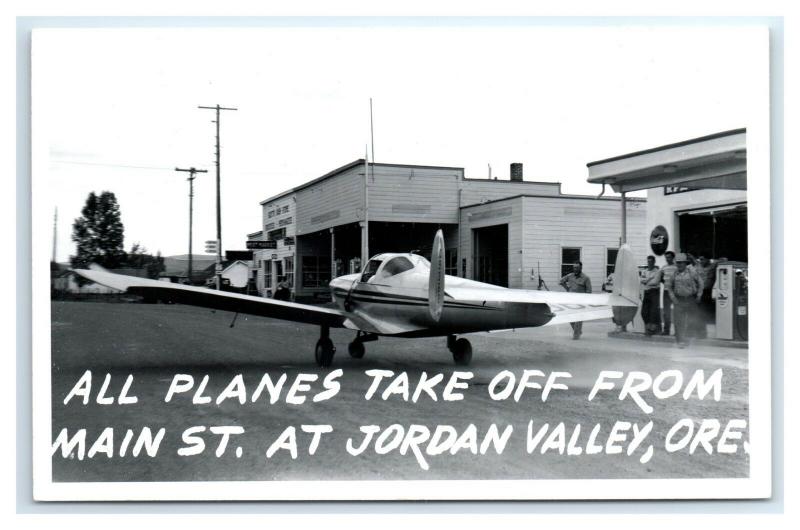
{"x": 270, "y": 244}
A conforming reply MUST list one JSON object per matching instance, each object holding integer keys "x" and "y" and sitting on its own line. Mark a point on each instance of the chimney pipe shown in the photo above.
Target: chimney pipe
{"x": 516, "y": 171}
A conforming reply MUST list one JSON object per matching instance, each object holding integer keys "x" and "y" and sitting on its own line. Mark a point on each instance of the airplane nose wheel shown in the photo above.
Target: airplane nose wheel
{"x": 356, "y": 349}
{"x": 461, "y": 350}
{"x": 324, "y": 350}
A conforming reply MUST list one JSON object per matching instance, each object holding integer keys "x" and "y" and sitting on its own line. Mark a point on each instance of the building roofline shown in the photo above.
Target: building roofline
{"x": 670, "y": 146}
{"x": 254, "y": 234}
{"x": 538, "y": 182}
{"x": 415, "y": 166}
{"x": 314, "y": 181}
{"x": 540, "y": 196}
{"x": 344, "y": 168}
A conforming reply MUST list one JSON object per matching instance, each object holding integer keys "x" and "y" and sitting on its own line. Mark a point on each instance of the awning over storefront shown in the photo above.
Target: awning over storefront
{"x": 716, "y": 161}
{"x": 724, "y": 210}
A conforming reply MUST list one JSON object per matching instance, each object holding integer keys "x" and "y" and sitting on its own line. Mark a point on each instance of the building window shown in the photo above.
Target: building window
{"x": 288, "y": 271}
{"x": 269, "y": 226}
{"x": 611, "y": 260}
{"x": 271, "y": 214}
{"x": 284, "y": 222}
{"x": 569, "y": 257}
{"x": 316, "y": 271}
{"x": 285, "y": 209}
{"x": 274, "y": 235}
{"x": 451, "y": 262}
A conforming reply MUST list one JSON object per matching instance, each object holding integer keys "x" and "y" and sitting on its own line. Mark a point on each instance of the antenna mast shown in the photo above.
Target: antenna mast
{"x": 55, "y": 234}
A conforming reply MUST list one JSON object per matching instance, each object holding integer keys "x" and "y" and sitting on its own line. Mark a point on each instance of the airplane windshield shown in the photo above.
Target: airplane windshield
{"x": 371, "y": 269}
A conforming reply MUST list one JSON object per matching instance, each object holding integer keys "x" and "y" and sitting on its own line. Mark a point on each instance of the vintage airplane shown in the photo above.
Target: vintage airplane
{"x": 405, "y": 295}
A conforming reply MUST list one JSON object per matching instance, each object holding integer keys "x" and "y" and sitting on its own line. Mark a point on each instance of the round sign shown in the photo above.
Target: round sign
{"x": 659, "y": 240}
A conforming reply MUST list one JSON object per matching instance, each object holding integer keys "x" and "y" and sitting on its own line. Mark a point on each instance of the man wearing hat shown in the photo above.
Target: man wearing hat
{"x": 685, "y": 290}
{"x": 576, "y": 282}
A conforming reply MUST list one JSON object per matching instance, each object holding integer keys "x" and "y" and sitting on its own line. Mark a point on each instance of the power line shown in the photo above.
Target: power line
{"x": 110, "y": 165}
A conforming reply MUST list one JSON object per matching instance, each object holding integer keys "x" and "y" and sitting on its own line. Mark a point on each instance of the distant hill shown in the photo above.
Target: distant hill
{"x": 176, "y": 265}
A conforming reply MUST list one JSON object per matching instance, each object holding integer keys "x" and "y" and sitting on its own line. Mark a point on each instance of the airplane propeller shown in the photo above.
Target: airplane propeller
{"x": 436, "y": 278}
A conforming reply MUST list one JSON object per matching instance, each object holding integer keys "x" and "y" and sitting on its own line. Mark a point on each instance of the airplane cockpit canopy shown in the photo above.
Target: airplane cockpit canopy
{"x": 396, "y": 266}
{"x": 387, "y": 265}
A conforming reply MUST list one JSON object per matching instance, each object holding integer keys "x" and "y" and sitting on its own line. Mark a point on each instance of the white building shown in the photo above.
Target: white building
{"x": 504, "y": 231}
{"x": 696, "y": 203}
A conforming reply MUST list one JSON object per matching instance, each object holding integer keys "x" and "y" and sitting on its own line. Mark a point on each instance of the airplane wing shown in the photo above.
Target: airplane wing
{"x": 564, "y": 315}
{"x": 224, "y": 301}
{"x": 566, "y": 307}
{"x": 466, "y": 294}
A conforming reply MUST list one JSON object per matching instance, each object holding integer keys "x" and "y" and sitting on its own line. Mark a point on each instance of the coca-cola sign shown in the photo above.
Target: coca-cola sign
{"x": 659, "y": 240}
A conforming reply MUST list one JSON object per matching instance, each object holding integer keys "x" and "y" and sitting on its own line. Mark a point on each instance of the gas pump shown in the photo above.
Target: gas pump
{"x": 354, "y": 266}
{"x": 731, "y": 310}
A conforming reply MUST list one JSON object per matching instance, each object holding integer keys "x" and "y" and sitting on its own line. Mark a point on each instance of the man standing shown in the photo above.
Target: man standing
{"x": 667, "y": 272}
{"x": 576, "y": 282}
{"x": 685, "y": 289}
{"x": 650, "y": 280}
{"x": 283, "y": 290}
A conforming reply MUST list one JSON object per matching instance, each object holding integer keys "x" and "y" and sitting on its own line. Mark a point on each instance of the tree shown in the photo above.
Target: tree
{"x": 98, "y": 233}
{"x": 138, "y": 258}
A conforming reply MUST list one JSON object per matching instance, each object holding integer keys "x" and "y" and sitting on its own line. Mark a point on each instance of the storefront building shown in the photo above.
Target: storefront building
{"x": 697, "y": 204}
{"x": 509, "y": 232}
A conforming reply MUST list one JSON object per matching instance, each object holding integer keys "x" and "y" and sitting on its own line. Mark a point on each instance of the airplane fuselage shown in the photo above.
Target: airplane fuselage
{"x": 402, "y": 300}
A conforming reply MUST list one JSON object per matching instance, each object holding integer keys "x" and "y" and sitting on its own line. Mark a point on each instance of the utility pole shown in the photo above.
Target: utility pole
{"x": 191, "y": 178}
{"x": 218, "y": 271}
{"x": 55, "y": 234}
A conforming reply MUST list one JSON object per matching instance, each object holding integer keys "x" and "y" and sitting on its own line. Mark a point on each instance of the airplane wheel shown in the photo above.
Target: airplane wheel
{"x": 356, "y": 349}
{"x": 323, "y": 352}
{"x": 462, "y": 352}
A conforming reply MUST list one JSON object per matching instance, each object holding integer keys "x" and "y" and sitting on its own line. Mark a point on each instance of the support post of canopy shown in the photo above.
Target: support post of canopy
{"x": 333, "y": 253}
{"x": 624, "y": 236}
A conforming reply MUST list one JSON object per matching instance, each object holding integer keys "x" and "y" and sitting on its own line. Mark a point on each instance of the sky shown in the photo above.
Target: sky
{"x": 116, "y": 109}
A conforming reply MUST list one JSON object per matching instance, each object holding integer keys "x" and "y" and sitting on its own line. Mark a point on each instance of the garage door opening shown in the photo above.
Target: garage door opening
{"x": 490, "y": 254}
{"x": 719, "y": 232}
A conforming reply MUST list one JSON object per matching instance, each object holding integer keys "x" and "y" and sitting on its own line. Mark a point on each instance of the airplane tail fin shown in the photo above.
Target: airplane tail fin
{"x": 626, "y": 285}
{"x": 436, "y": 278}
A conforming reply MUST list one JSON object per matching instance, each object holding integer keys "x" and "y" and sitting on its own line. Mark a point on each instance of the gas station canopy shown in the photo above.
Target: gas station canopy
{"x": 716, "y": 161}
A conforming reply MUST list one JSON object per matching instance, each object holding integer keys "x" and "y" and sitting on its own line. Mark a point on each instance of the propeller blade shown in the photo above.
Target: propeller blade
{"x": 626, "y": 285}
{"x": 436, "y": 279}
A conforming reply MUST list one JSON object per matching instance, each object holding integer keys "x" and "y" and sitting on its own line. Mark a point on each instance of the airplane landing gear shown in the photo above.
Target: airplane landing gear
{"x": 356, "y": 348}
{"x": 461, "y": 350}
{"x": 323, "y": 352}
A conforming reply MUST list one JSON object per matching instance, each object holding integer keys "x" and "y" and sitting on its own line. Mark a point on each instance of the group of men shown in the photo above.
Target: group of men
{"x": 687, "y": 295}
